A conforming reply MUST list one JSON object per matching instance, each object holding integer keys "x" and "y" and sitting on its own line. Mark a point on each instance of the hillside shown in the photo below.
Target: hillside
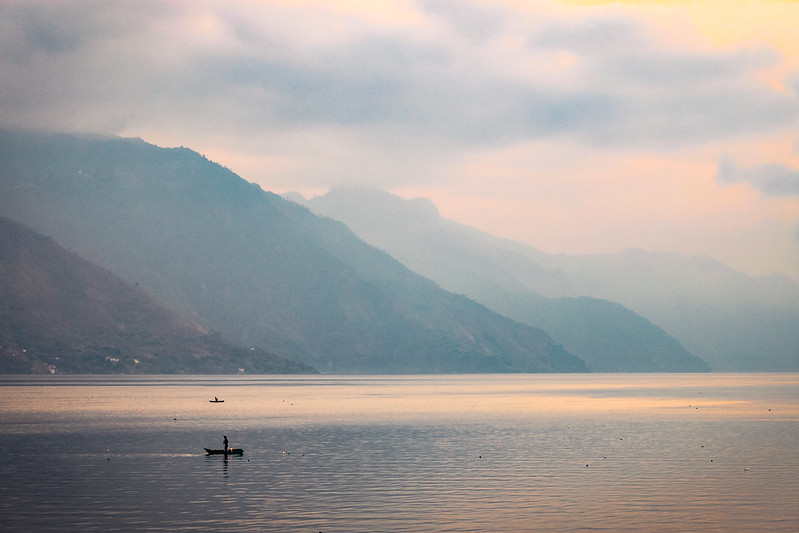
{"x": 60, "y": 313}
{"x": 732, "y": 321}
{"x": 606, "y": 335}
{"x": 259, "y": 269}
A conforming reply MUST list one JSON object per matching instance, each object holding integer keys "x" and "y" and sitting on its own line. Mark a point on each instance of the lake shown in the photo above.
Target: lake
{"x": 526, "y": 452}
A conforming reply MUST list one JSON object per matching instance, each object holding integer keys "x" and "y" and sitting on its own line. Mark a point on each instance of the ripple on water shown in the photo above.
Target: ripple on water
{"x": 344, "y": 464}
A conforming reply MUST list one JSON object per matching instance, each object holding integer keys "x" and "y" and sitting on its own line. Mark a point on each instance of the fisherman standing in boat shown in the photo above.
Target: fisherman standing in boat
{"x": 224, "y": 443}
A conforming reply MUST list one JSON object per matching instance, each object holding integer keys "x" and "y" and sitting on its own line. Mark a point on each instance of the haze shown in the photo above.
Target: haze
{"x": 576, "y": 127}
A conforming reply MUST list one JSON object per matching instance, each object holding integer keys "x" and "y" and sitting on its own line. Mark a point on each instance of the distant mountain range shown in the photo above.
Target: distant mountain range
{"x": 261, "y": 271}
{"x": 608, "y": 336}
{"x": 733, "y": 321}
{"x": 612, "y": 310}
{"x": 60, "y": 313}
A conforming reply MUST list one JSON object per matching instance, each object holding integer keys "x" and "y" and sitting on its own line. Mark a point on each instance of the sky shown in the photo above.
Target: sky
{"x": 573, "y": 126}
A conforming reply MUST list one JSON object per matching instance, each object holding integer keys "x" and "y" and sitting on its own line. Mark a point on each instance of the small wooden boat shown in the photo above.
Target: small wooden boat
{"x": 230, "y": 451}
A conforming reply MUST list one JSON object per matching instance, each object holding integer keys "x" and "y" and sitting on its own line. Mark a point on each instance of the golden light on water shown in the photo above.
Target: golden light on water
{"x": 367, "y": 399}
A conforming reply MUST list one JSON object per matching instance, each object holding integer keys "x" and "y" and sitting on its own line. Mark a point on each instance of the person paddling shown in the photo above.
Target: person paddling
{"x": 225, "y": 443}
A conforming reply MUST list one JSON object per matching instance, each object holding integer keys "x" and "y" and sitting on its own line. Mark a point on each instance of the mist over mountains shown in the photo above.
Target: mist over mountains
{"x": 267, "y": 273}
{"x": 62, "y": 314}
{"x": 260, "y": 270}
{"x": 629, "y": 310}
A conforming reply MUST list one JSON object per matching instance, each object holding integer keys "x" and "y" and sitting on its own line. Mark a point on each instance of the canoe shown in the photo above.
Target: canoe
{"x": 231, "y": 451}
{"x": 217, "y": 401}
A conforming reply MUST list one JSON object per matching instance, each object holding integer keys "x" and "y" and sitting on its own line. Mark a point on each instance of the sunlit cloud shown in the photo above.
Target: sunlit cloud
{"x": 626, "y": 90}
{"x": 772, "y": 179}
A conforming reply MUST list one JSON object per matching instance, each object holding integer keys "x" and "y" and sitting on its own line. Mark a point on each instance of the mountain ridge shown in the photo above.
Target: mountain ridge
{"x": 62, "y": 314}
{"x": 259, "y": 269}
{"x": 733, "y": 322}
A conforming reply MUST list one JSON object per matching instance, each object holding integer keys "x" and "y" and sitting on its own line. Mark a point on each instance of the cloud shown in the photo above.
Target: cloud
{"x": 657, "y": 96}
{"x": 633, "y": 93}
{"x": 591, "y": 35}
{"x": 477, "y": 21}
{"x": 465, "y": 76}
{"x": 771, "y": 179}
{"x": 622, "y": 50}
{"x": 35, "y": 29}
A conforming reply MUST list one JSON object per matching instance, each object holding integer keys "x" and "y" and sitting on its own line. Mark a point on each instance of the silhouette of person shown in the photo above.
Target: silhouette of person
{"x": 225, "y": 442}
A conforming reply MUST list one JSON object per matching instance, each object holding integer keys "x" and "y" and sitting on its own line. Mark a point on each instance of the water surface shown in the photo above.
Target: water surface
{"x": 647, "y": 452}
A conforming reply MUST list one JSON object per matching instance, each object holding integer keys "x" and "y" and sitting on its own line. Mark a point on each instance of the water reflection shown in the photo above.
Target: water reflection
{"x": 213, "y": 460}
{"x": 426, "y": 453}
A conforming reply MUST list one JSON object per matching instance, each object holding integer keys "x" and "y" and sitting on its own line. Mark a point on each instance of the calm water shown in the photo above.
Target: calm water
{"x": 717, "y": 452}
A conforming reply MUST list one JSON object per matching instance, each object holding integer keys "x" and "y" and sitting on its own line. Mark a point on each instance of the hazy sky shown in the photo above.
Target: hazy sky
{"x": 575, "y": 126}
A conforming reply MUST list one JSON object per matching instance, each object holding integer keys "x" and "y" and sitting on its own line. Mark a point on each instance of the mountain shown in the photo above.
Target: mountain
{"x": 60, "y": 313}
{"x": 606, "y": 335}
{"x": 732, "y": 321}
{"x": 260, "y": 270}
